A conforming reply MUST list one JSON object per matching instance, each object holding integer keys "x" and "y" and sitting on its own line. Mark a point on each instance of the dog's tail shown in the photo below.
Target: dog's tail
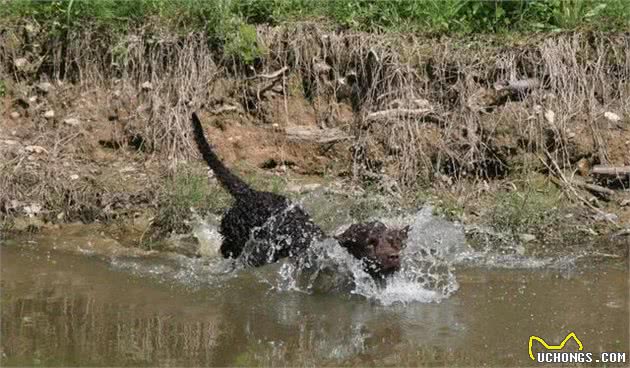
{"x": 231, "y": 182}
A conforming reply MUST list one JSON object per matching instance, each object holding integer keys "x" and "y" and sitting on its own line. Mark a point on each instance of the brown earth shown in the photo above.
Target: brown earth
{"x": 105, "y": 148}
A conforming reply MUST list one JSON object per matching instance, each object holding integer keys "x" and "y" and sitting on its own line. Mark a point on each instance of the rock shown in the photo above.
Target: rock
{"x": 49, "y": 114}
{"x": 29, "y": 28}
{"x": 33, "y": 209}
{"x": 32, "y": 99}
{"x": 147, "y": 86}
{"x": 72, "y": 121}
{"x": 15, "y": 115}
{"x": 606, "y": 217}
{"x": 35, "y": 149}
{"x": 45, "y": 87}
{"x": 74, "y": 177}
{"x": 625, "y": 203}
{"x": 321, "y": 67}
{"x": 526, "y": 238}
{"x": 584, "y": 167}
{"x": 550, "y": 116}
{"x": 612, "y": 117}
{"x": 20, "y": 63}
{"x": 297, "y": 188}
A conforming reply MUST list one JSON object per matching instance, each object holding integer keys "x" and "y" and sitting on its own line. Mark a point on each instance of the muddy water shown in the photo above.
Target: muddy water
{"x": 63, "y": 309}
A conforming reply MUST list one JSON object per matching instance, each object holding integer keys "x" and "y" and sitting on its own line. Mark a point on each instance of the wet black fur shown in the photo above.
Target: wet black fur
{"x": 267, "y": 224}
{"x": 269, "y": 227}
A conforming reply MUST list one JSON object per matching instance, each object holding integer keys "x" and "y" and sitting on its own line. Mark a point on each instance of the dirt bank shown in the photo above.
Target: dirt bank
{"x": 501, "y": 134}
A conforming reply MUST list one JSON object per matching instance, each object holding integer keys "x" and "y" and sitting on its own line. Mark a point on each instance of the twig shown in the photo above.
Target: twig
{"x": 398, "y": 114}
{"x": 566, "y": 184}
{"x": 611, "y": 170}
{"x": 598, "y": 190}
{"x": 273, "y": 75}
{"x": 316, "y": 135}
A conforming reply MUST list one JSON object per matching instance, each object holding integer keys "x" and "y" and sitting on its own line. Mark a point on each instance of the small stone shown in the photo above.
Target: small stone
{"x": 15, "y": 115}
{"x": 625, "y": 203}
{"x": 72, "y": 121}
{"x": 612, "y": 117}
{"x": 584, "y": 167}
{"x": 421, "y": 103}
{"x": 321, "y": 67}
{"x": 35, "y": 149}
{"x": 526, "y": 238}
{"x": 606, "y": 216}
{"x": 33, "y": 209}
{"x": 32, "y": 99}
{"x": 550, "y": 116}
{"x": 20, "y": 63}
{"x": 74, "y": 177}
{"x": 570, "y": 135}
{"x": 147, "y": 86}
{"x": 49, "y": 114}
{"x": 296, "y": 188}
{"x": 45, "y": 87}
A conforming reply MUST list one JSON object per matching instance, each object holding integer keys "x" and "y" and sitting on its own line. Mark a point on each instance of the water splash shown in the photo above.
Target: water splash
{"x": 426, "y": 274}
{"x": 435, "y": 247}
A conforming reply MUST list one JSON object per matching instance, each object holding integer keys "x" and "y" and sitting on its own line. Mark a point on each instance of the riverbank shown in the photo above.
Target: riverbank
{"x": 499, "y": 134}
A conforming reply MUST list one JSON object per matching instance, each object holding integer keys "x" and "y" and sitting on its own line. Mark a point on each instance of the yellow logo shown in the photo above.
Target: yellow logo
{"x": 553, "y": 347}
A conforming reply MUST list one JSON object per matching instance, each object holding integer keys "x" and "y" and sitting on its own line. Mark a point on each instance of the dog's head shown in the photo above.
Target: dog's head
{"x": 376, "y": 245}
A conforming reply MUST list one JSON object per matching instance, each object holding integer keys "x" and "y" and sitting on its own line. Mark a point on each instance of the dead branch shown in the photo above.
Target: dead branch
{"x": 516, "y": 86}
{"x": 397, "y": 114}
{"x": 617, "y": 171}
{"x": 598, "y": 190}
{"x": 223, "y": 109}
{"x": 269, "y": 82}
{"x": 301, "y": 133}
{"x": 273, "y": 75}
{"x": 566, "y": 185}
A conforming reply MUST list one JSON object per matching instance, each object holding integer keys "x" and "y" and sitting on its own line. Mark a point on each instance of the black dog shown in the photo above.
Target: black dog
{"x": 264, "y": 227}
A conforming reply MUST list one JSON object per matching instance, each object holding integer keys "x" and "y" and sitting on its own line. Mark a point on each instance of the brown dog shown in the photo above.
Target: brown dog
{"x": 263, "y": 227}
{"x": 377, "y": 245}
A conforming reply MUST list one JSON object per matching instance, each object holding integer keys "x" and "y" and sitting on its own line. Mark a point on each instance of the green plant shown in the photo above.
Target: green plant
{"x": 449, "y": 207}
{"x": 187, "y": 191}
{"x": 225, "y": 20}
{"x": 527, "y": 210}
{"x": 241, "y": 42}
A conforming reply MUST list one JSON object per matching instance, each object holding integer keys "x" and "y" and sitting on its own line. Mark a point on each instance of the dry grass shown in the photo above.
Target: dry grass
{"x": 470, "y": 131}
